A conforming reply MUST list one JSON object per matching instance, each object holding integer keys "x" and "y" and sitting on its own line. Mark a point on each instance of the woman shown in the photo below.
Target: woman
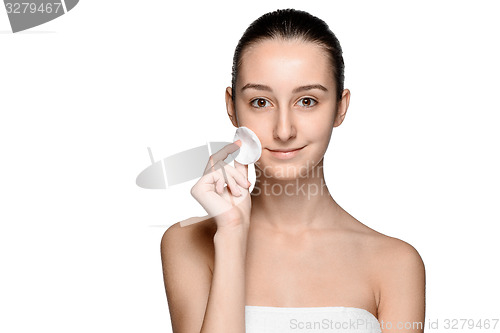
{"x": 287, "y": 254}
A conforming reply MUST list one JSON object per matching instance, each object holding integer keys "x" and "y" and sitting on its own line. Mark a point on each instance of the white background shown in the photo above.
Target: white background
{"x": 83, "y": 96}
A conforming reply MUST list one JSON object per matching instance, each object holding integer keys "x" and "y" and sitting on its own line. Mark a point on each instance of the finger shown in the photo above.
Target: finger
{"x": 231, "y": 183}
{"x": 243, "y": 169}
{"x": 208, "y": 182}
{"x": 218, "y": 181}
{"x": 213, "y": 204}
{"x": 219, "y": 185}
{"x": 224, "y": 175}
{"x": 238, "y": 177}
{"x": 222, "y": 154}
{"x": 214, "y": 165}
{"x": 212, "y": 194}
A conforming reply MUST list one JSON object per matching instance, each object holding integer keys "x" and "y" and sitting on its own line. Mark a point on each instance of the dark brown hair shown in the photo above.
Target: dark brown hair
{"x": 291, "y": 24}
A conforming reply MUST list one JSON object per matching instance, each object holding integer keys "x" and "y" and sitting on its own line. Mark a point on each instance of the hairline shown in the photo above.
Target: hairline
{"x": 282, "y": 38}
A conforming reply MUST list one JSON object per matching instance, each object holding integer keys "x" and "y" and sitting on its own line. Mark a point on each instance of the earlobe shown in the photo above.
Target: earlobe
{"x": 231, "y": 112}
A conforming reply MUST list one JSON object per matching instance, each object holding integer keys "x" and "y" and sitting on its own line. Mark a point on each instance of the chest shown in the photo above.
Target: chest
{"x": 306, "y": 273}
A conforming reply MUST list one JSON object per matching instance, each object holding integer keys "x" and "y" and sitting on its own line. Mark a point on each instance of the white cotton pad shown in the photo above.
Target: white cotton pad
{"x": 250, "y": 149}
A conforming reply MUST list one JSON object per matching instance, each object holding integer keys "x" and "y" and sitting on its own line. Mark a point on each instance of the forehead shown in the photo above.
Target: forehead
{"x": 285, "y": 63}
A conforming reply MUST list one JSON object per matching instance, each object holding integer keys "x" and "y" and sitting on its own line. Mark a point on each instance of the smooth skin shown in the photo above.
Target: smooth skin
{"x": 298, "y": 250}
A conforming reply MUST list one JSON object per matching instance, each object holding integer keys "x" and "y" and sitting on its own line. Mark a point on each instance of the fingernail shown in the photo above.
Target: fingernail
{"x": 249, "y": 184}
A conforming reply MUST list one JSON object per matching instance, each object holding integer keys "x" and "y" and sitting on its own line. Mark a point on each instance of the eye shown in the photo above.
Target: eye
{"x": 307, "y": 102}
{"x": 259, "y": 103}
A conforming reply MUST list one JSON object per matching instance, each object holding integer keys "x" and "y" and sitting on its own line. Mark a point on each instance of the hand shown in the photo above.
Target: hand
{"x": 230, "y": 205}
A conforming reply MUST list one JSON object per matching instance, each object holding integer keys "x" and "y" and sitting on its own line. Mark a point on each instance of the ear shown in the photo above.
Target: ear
{"x": 342, "y": 106}
{"x": 231, "y": 111}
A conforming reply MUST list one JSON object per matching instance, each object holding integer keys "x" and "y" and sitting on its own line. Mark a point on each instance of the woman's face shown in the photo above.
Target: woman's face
{"x": 286, "y": 94}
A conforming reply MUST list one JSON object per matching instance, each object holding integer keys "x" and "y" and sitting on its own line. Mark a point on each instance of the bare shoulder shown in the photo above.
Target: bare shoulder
{"x": 193, "y": 226}
{"x": 187, "y": 261}
{"x": 385, "y": 250}
{"x": 396, "y": 269}
{"x": 400, "y": 266}
{"x": 394, "y": 255}
{"x": 194, "y": 239}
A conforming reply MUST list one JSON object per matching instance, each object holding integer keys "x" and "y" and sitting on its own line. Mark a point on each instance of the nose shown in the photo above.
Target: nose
{"x": 284, "y": 128}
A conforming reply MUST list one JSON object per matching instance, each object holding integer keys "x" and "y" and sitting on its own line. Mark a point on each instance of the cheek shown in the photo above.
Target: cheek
{"x": 259, "y": 123}
{"x": 318, "y": 128}
{"x": 241, "y": 113}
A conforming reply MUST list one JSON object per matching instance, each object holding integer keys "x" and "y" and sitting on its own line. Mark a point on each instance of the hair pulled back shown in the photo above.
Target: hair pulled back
{"x": 289, "y": 24}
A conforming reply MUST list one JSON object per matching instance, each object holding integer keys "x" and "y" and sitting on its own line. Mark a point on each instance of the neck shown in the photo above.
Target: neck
{"x": 293, "y": 204}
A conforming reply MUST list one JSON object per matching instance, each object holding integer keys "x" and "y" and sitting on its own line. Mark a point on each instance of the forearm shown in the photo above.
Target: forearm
{"x": 226, "y": 302}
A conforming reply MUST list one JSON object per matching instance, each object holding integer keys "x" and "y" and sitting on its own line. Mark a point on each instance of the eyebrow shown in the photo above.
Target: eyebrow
{"x": 296, "y": 90}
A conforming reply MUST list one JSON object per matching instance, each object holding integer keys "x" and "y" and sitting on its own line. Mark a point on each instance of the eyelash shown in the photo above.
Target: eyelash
{"x": 252, "y": 102}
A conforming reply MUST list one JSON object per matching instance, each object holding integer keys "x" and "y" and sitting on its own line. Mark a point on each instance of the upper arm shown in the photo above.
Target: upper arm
{"x": 187, "y": 277}
{"x": 402, "y": 291}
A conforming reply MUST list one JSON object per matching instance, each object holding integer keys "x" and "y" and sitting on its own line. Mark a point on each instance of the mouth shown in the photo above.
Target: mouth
{"x": 285, "y": 153}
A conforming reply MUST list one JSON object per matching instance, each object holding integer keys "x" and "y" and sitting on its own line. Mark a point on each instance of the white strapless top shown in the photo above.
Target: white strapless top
{"x": 270, "y": 319}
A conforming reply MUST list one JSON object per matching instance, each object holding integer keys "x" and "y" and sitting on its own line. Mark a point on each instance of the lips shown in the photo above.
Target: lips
{"x": 285, "y": 150}
{"x": 285, "y": 153}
